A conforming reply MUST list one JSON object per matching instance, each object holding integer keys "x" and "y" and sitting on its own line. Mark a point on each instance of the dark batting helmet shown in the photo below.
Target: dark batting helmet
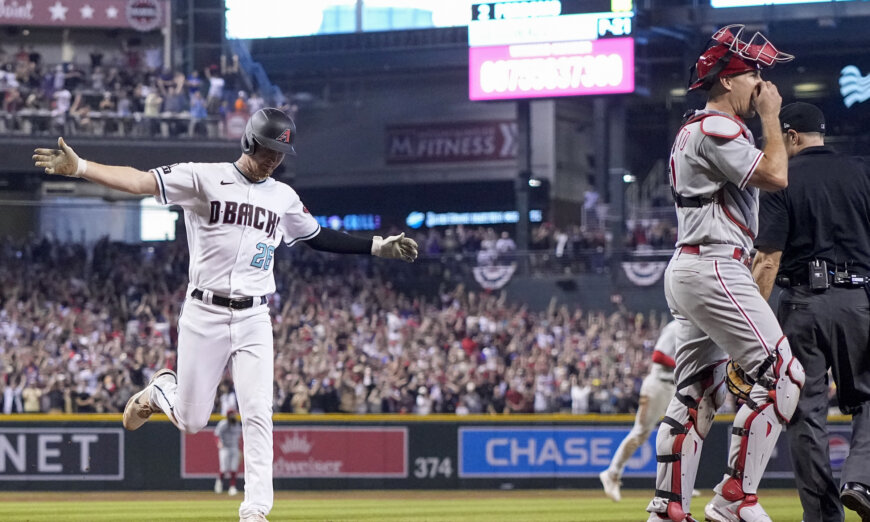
{"x": 269, "y": 128}
{"x": 730, "y": 55}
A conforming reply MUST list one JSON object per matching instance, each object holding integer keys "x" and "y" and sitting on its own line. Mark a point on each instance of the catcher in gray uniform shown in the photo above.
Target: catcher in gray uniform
{"x": 716, "y": 172}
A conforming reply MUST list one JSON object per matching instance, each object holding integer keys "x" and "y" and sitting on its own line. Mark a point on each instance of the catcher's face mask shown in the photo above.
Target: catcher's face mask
{"x": 731, "y": 55}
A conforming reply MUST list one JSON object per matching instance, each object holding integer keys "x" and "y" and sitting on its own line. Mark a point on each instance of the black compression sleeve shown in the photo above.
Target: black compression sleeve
{"x": 329, "y": 240}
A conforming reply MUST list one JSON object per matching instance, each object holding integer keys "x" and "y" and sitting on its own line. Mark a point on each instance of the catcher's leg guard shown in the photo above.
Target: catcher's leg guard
{"x": 788, "y": 379}
{"x": 753, "y": 439}
{"x": 681, "y": 437}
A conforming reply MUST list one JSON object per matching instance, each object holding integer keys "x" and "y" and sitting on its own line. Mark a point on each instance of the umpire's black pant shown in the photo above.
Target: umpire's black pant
{"x": 828, "y": 330}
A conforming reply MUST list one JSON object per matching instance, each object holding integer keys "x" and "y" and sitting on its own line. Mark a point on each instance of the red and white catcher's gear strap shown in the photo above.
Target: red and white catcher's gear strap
{"x": 678, "y": 453}
{"x": 681, "y": 436}
{"x": 753, "y": 439}
{"x": 790, "y": 377}
{"x": 710, "y": 386}
{"x": 744, "y": 508}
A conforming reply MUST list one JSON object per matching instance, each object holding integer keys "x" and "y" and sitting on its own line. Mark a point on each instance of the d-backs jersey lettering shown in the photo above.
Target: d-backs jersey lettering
{"x": 233, "y": 224}
{"x": 714, "y": 156}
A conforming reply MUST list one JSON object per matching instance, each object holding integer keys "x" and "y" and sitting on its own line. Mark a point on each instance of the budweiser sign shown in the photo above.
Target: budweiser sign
{"x": 142, "y": 15}
{"x": 14, "y": 10}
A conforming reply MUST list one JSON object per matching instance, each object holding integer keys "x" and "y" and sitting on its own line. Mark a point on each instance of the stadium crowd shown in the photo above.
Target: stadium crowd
{"x": 127, "y": 92}
{"x": 81, "y": 329}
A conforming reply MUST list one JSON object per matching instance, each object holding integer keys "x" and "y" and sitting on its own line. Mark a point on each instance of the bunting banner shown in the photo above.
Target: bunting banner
{"x": 494, "y": 277}
{"x": 644, "y": 273}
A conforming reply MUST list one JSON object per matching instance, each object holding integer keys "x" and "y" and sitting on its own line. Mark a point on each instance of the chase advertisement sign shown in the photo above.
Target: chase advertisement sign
{"x": 548, "y": 452}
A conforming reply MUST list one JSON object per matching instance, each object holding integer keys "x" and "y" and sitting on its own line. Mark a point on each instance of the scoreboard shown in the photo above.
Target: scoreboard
{"x": 546, "y": 48}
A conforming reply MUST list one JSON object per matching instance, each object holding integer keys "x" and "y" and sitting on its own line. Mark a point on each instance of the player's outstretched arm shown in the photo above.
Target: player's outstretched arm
{"x": 393, "y": 247}
{"x": 64, "y": 161}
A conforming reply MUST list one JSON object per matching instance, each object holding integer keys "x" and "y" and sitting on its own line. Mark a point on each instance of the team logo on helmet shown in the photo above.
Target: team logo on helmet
{"x": 284, "y": 137}
{"x": 731, "y": 55}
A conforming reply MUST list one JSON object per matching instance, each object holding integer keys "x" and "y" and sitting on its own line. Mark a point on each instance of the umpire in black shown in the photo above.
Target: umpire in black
{"x": 814, "y": 243}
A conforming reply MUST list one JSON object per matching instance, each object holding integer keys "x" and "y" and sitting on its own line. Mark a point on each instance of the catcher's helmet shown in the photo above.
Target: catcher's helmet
{"x": 729, "y": 55}
{"x": 269, "y": 128}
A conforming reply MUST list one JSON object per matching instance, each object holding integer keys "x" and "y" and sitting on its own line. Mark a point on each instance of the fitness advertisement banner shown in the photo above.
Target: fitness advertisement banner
{"x": 312, "y": 452}
{"x": 61, "y": 454}
{"x": 452, "y": 142}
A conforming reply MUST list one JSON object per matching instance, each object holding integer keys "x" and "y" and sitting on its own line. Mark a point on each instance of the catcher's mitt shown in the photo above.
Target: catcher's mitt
{"x": 737, "y": 381}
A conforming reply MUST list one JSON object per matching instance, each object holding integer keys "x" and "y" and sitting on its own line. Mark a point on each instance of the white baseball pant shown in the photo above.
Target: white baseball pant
{"x": 655, "y": 394}
{"x": 210, "y": 336}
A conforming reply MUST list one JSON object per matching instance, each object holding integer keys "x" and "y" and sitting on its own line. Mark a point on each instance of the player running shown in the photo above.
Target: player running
{"x": 236, "y": 215}
{"x": 655, "y": 393}
{"x": 715, "y": 172}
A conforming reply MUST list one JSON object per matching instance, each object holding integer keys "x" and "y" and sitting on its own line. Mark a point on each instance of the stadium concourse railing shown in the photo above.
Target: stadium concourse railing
{"x": 93, "y": 452}
{"x": 166, "y": 125}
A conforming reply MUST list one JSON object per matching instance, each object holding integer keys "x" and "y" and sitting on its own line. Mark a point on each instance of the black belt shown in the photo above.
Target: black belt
{"x": 851, "y": 281}
{"x": 238, "y": 303}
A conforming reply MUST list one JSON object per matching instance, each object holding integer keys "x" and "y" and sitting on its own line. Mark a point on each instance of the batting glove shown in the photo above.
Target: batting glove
{"x": 395, "y": 247}
{"x": 63, "y": 161}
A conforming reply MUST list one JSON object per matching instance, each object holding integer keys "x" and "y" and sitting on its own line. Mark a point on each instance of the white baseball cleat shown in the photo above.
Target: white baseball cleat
{"x": 611, "y": 485}
{"x": 233, "y": 491}
{"x": 218, "y": 486}
{"x": 139, "y": 408}
{"x": 258, "y": 517}
{"x": 746, "y": 509}
{"x": 696, "y": 493}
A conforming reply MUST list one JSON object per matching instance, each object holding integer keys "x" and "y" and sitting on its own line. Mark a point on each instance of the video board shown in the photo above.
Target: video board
{"x": 546, "y": 48}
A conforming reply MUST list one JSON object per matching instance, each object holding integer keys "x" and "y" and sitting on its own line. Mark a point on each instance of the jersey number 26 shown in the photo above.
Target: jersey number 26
{"x": 263, "y": 257}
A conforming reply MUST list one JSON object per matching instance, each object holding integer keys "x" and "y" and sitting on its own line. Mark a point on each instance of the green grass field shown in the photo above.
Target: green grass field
{"x": 415, "y": 506}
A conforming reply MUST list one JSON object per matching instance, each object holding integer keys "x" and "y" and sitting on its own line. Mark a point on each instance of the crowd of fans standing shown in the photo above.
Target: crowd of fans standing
{"x": 81, "y": 329}
{"x": 127, "y": 92}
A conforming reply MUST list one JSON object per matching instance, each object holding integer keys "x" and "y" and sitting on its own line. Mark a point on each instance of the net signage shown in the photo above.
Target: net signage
{"x": 72, "y": 454}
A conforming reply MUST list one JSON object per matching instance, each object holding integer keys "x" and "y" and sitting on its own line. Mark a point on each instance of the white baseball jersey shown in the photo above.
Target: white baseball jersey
{"x": 233, "y": 225}
{"x": 663, "y": 353}
{"x": 714, "y": 156}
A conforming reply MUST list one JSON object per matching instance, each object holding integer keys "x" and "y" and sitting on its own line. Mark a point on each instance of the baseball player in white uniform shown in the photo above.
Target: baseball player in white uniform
{"x": 655, "y": 394}
{"x": 228, "y": 433}
{"x": 236, "y": 215}
{"x": 715, "y": 172}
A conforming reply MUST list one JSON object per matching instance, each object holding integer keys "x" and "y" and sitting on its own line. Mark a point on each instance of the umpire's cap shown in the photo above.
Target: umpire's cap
{"x": 269, "y": 128}
{"x": 802, "y": 117}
